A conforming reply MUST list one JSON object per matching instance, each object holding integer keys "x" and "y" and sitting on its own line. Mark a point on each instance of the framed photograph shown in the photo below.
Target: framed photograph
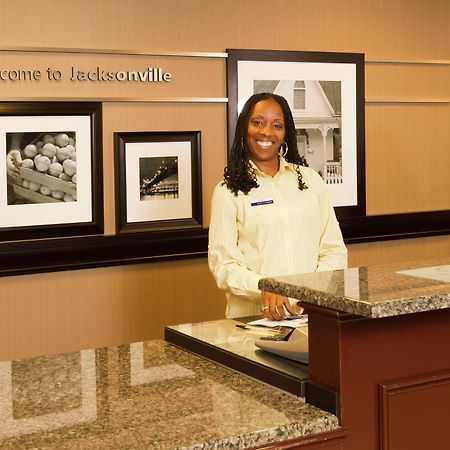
{"x": 51, "y": 184}
{"x": 158, "y": 181}
{"x": 325, "y": 92}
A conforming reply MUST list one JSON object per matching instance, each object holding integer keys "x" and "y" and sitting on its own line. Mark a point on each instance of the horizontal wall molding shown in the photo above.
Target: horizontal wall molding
{"x": 135, "y": 52}
{"x": 104, "y": 51}
{"x": 194, "y": 100}
{"x": 407, "y": 100}
{"x": 444, "y": 62}
{"x": 119, "y": 99}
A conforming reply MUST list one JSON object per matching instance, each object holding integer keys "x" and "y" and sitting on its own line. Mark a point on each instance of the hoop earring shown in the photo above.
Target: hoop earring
{"x": 282, "y": 151}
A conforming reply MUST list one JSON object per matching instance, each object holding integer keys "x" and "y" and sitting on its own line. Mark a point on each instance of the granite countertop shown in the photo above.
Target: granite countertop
{"x": 226, "y": 335}
{"x": 374, "y": 291}
{"x": 144, "y": 395}
{"x": 225, "y": 342}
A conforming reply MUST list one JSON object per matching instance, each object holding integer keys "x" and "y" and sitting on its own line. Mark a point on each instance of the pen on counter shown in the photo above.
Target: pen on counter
{"x": 262, "y": 329}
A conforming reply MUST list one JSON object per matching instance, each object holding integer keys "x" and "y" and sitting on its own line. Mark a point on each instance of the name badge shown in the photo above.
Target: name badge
{"x": 266, "y": 201}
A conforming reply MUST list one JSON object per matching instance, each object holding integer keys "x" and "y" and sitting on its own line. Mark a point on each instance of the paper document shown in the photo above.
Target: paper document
{"x": 296, "y": 347}
{"x": 298, "y": 321}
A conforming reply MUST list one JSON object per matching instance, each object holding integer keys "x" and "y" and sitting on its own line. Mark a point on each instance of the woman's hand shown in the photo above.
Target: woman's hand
{"x": 274, "y": 306}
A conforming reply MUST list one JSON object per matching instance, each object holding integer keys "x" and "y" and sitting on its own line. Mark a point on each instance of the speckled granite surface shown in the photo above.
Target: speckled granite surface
{"x": 374, "y": 291}
{"x": 144, "y": 395}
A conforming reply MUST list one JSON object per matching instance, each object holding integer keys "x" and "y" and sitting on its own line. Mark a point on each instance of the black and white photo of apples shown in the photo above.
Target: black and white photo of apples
{"x": 45, "y": 167}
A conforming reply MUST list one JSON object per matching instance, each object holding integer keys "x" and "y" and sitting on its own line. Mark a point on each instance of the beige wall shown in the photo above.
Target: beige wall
{"x": 406, "y": 142}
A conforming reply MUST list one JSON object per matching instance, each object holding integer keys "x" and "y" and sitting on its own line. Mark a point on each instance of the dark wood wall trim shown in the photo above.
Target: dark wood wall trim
{"x": 51, "y": 255}
{"x": 395, "y": 226}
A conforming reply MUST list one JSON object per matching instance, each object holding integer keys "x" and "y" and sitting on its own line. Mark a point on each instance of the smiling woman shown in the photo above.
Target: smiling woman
{"x": 271, "y": 215}
{"x": 239, "y": 174}
{"x": 265, "y": 136}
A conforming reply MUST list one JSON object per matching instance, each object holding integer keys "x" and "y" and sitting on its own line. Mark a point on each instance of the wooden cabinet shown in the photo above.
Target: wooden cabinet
{"x": 392, "y": 375}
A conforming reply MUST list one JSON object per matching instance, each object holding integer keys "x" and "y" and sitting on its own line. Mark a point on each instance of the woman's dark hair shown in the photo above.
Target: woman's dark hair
{"x": 239, "y": 175}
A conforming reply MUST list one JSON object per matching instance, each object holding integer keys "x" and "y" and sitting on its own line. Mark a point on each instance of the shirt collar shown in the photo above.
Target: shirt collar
{"x": 284, "y": 165}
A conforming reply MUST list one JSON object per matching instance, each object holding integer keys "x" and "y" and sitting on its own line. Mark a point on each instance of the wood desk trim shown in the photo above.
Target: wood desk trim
{"x": 330, "y": 440}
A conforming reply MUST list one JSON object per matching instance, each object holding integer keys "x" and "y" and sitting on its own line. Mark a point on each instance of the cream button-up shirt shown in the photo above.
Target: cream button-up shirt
{"x": 276, "y": 229}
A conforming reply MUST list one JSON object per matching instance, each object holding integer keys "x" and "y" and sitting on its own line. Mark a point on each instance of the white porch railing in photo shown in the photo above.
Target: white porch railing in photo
{"x": 333, "y": 173}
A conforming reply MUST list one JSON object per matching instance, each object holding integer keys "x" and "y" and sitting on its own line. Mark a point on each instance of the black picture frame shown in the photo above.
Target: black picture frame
{"x": 247, "y": 70}
{"x": 29, "y": 215}
{"x": 158, "y": 181}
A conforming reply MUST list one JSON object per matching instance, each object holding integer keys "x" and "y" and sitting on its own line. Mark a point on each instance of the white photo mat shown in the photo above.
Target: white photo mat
{"x": 163, "y": 209}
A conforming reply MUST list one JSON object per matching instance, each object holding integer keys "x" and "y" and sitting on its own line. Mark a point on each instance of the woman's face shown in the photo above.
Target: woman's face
{"x": 265, "y": 132}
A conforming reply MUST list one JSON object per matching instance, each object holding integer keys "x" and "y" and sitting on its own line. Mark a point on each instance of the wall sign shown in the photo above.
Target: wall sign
{"x": 100, "y": 74}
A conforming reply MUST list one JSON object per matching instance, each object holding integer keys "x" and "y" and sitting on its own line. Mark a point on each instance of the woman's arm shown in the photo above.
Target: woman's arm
{"x": 226, "y": 261}
{"x": 332, "y": 250}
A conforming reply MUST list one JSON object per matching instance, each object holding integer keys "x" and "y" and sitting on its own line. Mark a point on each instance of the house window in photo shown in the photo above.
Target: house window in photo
{"x": 299, "y": 95}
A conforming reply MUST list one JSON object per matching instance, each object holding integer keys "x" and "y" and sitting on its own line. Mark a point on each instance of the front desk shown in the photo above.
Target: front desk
{"x": 378, "y": 347}
{"x": 378, "y": 343}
